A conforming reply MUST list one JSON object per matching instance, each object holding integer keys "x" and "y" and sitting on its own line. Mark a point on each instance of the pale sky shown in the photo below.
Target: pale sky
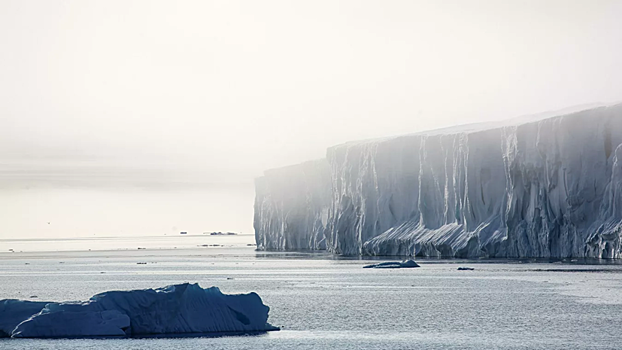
{"x": 214, "y": 92}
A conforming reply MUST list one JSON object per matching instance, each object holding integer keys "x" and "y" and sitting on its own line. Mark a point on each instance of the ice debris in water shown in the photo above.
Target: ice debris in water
{"x": 393, "y": 265}
{"x": 176, "y": 309}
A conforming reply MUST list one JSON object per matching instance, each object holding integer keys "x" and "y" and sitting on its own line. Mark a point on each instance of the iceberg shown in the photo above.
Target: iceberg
{"x": 13, "y": 312}
{"x": 172, "y": 310}
{"x": 393, "y": 265}
{"x": 545, "y": 186}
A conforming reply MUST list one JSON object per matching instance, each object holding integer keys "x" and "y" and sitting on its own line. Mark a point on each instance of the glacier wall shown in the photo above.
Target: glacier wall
{"x": 533, "y": 187}
{"x": 291, "y": 210}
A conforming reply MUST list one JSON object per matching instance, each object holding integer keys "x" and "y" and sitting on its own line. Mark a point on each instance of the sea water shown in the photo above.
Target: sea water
{"x": 323, "y": 302}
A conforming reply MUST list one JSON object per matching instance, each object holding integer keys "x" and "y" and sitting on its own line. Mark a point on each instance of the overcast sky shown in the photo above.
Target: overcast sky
{"x": 222, "y": 90}
{"x": 236, "y": 87}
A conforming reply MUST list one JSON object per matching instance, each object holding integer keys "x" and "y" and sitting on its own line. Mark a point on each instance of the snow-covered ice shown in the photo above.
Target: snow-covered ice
{"x": 543, "y": 186}
{"x": 176, "y": 309}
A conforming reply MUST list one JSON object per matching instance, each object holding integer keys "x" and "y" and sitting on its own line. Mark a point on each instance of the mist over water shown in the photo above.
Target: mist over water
{"x": 46, "y": 198}
{"x": 88, "y": 212}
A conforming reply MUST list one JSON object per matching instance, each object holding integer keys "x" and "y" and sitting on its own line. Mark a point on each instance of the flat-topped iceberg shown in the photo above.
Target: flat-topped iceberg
{"x": 541, "y": 186}
{"x": 172, "y": 310}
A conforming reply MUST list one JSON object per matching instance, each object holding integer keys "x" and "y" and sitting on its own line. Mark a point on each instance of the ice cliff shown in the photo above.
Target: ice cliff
{"x": 541, "y": 186}
{"x": 291, "y": 209}
{"x": 177, "y": 309}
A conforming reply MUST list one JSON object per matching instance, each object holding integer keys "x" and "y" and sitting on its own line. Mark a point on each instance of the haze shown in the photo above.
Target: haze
{"x": 150, "y": 117}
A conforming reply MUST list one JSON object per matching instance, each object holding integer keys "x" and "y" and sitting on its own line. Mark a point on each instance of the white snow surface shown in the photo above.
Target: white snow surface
{"x": 176, "y": 309}
{"x": 538, "y": 186}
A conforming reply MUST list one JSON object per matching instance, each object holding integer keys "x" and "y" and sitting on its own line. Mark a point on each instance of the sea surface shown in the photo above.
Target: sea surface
{"x": 324, "y": 302}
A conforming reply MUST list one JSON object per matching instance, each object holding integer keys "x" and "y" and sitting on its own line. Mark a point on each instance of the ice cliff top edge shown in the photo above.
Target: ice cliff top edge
{"x": 483, "y": 126}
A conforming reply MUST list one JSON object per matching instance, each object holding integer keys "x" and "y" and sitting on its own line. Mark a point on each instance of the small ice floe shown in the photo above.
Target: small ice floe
{"x": 409, "y": 263}
{"x": 461, "y": 268}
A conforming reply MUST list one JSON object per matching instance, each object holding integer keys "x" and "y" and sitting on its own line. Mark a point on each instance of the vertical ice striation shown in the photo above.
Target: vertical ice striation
{"x": 549, "y": 186}
{"x": 291, "y": 207}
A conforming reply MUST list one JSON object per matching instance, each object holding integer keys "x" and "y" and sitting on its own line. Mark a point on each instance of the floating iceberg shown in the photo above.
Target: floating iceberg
{"x": 172, "y": 310}
{"x": 541, "y": 186}
{"x": 393, "y": 265}
{"x": 13, "y": 312}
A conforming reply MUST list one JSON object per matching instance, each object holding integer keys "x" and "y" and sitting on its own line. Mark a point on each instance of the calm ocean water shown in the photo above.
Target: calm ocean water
{"x": 322, "y": 302}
